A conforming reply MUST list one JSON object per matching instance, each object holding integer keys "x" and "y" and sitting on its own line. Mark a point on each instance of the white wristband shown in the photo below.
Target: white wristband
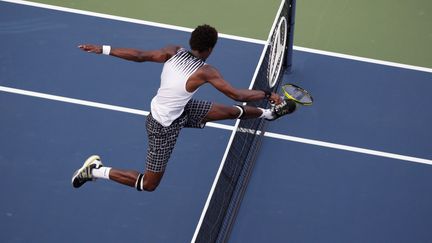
{"x": 106, "y": 50}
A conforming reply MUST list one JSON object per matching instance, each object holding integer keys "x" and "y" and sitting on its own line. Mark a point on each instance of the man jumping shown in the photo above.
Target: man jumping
{"x": 173, "y": 107}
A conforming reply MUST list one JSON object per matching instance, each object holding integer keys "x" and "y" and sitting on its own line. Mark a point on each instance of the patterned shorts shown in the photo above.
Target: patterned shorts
{"x": 162, "y": 139}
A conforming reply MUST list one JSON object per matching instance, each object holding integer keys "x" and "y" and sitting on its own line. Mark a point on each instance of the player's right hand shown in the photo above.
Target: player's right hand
{"x": 91, "y": 48}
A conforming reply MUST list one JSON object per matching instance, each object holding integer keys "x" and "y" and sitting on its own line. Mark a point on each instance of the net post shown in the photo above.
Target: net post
{"x": 291, "y": 25}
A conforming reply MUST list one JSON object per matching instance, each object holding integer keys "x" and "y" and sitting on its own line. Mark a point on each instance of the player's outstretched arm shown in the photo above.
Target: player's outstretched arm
{"x": 213, "y": 76}
{"x": 130, "y": 54}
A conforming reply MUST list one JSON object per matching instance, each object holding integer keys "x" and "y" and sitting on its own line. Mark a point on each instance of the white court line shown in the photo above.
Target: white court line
{"x": 73, "y": 101}
{"x": 233, "y": 37}
{"x": 217, "y": 125}
{"x": 363, "y": 59}
{"x": 348, "y": 148}
{"x": 92, "y": 104}
{"x": 125, "y": 19}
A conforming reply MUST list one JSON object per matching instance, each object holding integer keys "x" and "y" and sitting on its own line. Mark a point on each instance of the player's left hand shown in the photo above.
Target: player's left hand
{"x": 275, "y": 99}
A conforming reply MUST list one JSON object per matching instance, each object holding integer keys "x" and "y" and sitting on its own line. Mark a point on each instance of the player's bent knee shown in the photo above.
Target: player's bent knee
{"x": 149, "y": 186}
{"x": 146, "y": 182}
{"x": 239, "y": 112}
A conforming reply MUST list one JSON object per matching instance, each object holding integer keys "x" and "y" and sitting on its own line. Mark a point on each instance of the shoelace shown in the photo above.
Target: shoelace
{"x": 85, "y": 174}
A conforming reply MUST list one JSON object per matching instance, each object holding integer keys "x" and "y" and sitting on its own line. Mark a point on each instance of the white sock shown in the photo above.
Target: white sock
{"x": 102, "y": 172}
{"x": 266, "y": 113}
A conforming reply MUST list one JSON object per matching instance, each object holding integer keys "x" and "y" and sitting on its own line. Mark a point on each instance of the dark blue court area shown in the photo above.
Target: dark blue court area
{"x": 298, "y": 192}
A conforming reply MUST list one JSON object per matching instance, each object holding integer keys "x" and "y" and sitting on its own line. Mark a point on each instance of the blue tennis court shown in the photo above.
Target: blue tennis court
{"x": 354, "y": 167}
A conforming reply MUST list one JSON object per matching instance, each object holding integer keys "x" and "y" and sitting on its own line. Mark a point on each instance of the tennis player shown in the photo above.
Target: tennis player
{"x": 173, "y": 108}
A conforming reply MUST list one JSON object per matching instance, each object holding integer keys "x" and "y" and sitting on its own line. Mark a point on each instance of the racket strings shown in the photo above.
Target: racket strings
{"x": 297, "y": 94}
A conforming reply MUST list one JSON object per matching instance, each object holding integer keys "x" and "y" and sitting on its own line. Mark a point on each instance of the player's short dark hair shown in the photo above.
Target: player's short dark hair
{"x": 203, "y": 38}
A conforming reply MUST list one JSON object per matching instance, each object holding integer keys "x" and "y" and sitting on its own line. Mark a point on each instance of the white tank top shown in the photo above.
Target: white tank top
{"x": 172, "y": 96}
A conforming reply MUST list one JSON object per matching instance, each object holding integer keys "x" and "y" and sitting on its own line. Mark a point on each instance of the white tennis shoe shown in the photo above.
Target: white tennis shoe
{"x": 83, "y": 174}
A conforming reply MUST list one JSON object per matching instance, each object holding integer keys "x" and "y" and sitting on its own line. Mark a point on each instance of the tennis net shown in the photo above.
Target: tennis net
{"x": 225, "y": 198}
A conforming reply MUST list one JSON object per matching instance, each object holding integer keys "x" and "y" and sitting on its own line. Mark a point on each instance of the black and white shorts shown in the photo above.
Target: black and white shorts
{"x": 162, "y": 139}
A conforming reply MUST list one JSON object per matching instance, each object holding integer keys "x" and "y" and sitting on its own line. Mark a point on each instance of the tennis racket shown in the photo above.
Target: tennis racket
{"x": 297, "y": 94}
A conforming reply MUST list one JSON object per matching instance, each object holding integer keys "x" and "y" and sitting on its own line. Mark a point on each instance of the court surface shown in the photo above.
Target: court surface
{"x": 355, "y": 167}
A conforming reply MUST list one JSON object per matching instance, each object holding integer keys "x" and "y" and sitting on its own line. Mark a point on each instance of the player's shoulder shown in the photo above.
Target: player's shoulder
{"x": 208, "y": 71}
{"x": 210, "y": 68}
{"x": 171, "y": 50}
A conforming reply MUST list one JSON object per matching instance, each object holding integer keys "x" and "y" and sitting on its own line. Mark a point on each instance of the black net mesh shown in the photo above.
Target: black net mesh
{"x": 224, "y": 203}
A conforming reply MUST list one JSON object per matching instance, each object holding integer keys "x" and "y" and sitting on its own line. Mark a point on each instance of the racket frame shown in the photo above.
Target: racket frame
{"x": 287, "y": 95}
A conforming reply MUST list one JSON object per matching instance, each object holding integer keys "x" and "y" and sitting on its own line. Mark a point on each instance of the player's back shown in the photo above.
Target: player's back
{"x": 172, "y": 95}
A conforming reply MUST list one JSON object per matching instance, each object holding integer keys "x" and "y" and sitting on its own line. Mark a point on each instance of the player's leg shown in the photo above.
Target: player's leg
{"x": 148, "y": 181}
{"x": 222, "y": 112}
{"x": 94, "y": 169}
{"x": 161, "y": 142}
